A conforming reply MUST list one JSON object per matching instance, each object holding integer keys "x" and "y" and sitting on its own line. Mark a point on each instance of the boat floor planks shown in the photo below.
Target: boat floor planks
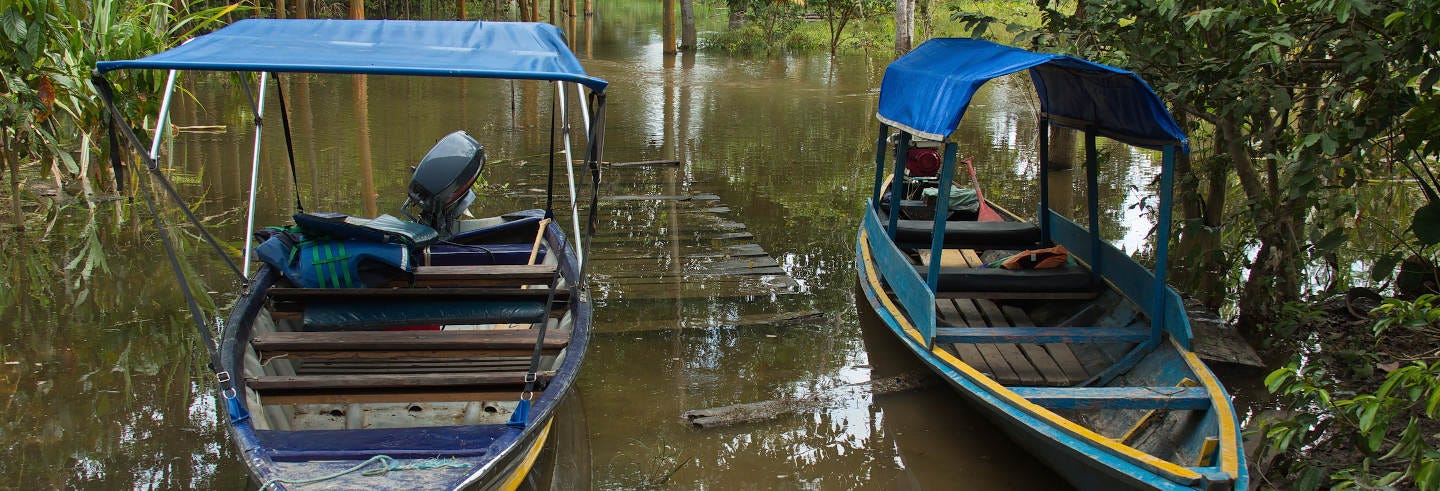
{"x": 1030, "y": 364}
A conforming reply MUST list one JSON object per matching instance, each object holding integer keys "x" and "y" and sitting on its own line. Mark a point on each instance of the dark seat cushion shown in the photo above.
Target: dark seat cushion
{"x": 377, "y": 314}
{"x": 964, "y": 234}
{"x": 1062, "y": 279}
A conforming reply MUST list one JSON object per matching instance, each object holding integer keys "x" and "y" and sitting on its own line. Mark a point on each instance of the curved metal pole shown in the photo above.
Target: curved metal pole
{"x": 254, "y": 176}
{"x": 162, "y": 117}
{"x": 584, "y": 111}
{"x": 569, "y": 168}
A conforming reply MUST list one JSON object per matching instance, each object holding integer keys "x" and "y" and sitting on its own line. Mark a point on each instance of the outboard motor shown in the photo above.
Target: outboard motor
{"x": 440, "y": 186}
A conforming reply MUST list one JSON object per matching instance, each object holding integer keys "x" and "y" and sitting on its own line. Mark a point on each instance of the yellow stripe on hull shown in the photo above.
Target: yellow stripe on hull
{"x": 1171, "y": 470}
{"x": 517, "y": 476}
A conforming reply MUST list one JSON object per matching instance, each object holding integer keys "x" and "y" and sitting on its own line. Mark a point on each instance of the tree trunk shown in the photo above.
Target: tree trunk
{"x": 1274, "y": 275}
{"x": 280, "y": 9}
{"x": 668, "y": 27}
{"x": 688, "y": 38}
{"x": 357, "y": 9}
{"x": 302, "y": 9}
{"x": 904, "y": 25}
{"x": 589, "y": 8}
{"x": 459, "y": 9}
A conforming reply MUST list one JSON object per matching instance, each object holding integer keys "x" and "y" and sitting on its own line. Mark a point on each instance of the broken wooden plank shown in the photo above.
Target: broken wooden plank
{"x": 771, "y": 319}
{"x": 647, "y": 163}
{"x": 767, "y": 410}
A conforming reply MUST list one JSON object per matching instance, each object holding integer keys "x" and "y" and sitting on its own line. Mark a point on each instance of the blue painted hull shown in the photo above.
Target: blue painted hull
{"x": 489, "y": 456}
{"x": 1083, "y": 465}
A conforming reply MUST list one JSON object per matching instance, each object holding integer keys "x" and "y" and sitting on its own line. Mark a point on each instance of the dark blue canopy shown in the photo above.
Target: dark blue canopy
{"x": 926, "y": 92}
{"x": 512, "y": 50}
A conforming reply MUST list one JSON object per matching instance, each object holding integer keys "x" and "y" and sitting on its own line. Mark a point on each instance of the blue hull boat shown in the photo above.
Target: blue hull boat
{"x": 429, "y": 352}
{"x": 1079, "y": 353}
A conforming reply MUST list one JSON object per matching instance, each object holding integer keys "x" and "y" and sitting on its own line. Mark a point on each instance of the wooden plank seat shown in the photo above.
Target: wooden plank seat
{"x": 962, "y": 275}
{"x": 410, "y": 387}
{"x": 967, "y": 234}
{"x": 1191, "y": 398}
{"x": 962, "y": 282}
{"x": 406, "y": 344}
{"x": 480, "y": 275}
{"x": 1040, "y": 335}
{"x": 331, "y": 309}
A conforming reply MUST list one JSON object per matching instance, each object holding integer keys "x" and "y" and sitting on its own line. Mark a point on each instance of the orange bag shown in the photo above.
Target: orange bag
{"x": 1052, "y": 257}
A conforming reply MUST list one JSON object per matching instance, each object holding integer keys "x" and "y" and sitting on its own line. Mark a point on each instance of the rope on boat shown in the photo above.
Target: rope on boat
{"x": 387, "y": 464}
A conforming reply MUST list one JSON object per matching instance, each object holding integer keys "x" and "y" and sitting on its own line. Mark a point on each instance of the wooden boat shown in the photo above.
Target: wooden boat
{"x": 388, "y": 353}
{"x": 1087, "y": 365}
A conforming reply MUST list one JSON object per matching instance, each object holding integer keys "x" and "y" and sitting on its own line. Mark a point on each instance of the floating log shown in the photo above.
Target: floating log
{"x": 647, "y": 163}
{"x": 746, "y": 321}
{"x": 767, "y": 410}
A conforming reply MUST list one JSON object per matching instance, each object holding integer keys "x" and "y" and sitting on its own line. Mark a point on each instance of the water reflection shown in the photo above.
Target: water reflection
{"x": 103, "y": 378}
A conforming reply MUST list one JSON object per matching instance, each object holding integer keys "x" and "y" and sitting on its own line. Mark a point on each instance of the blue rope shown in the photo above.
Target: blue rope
{"x": 387, "y": 464}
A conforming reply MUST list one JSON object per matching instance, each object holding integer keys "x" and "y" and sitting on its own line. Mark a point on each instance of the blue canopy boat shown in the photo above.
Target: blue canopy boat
{"x": 387, "y": 353}
{"x": 1087, "y": 364}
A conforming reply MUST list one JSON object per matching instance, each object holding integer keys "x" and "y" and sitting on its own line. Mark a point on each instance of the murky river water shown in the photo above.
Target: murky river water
{"x": 104, "y": 381}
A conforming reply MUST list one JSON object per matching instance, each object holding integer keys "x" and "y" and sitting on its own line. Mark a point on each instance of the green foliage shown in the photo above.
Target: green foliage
{"x": 1391, "y": 425}
{"x": 48, "y": 49}
{"x": 1420, "y": 315}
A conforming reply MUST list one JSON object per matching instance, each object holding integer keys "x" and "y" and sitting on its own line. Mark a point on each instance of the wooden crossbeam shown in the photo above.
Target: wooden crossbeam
{"x": 302, "y": 294}
{"x": 1038, "y": 335}
{"x": 1117, "y": 397}
{"x": 406, "y": 344}
{"x": 412, "y": 387}
{"x": 488, "y": 275}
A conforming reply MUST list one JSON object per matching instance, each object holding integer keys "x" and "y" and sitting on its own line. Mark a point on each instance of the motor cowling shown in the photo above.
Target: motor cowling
{"x": 441, "y": 184}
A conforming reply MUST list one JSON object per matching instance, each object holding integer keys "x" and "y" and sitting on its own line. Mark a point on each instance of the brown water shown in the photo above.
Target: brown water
{"x": 105, "y": 385}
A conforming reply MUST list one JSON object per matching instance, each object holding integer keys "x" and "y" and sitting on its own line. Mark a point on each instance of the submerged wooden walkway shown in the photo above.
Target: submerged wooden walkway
{"x": 663, "y": 241}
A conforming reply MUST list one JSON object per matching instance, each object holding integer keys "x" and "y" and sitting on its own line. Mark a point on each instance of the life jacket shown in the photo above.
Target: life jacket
{"x": 325, "y": 252}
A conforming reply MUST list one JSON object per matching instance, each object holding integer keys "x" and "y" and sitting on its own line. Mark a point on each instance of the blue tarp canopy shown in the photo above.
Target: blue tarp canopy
{"x": 509, "y": 50}
{"x": 926, "y": 92}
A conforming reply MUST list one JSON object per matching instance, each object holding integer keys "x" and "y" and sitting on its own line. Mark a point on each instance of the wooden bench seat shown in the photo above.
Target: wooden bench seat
{"x": 415, "y": 387}
{"x": 1192, "y": 398}
{"x": 1038, "y": 335}
{"x": 406, "y": 344}
{"x": 303, "y": 294}
{"x": 347, "y": 309}
{"x": 487, "y": 275}
{"x": 962, "y": 276}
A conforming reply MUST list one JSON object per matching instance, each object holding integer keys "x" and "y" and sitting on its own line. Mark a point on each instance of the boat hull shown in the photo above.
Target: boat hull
{"x": 1085, "y": 468}
{"x": 487, "y": 456}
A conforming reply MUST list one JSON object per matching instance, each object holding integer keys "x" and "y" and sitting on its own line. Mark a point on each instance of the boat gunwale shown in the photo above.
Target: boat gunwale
{"x": 914, "y": 339}
{"x": 258, "y": 458}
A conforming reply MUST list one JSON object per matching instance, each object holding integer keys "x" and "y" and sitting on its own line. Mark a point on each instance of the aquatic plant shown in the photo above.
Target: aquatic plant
{"x": 49, "y": 112}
